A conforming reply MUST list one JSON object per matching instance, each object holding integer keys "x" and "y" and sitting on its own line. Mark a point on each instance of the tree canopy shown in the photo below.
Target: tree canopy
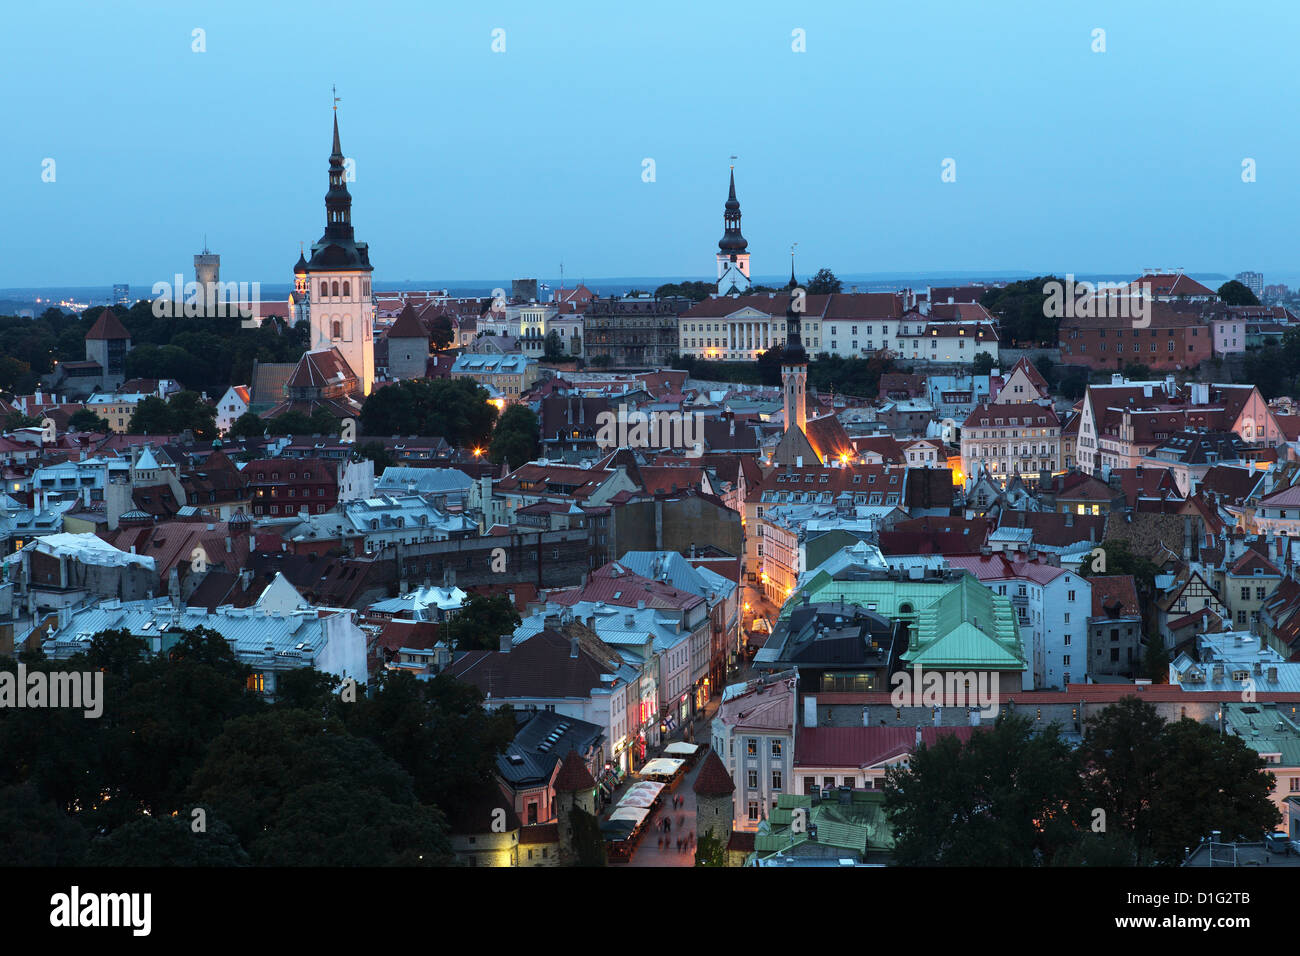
{"x": 515, "y": 438}
{"x": 1007, "y": 797}
{"x": 310, "y": 779}
{"x": 1020, "y": 307}
{"x": 441, "y": 332}
{"x": 1166, "y": 786}
{"x": 481, "y": 622}
{"x": 823, "y": 283}
{"x": 1233, "y": 292}
{"x": 85, "y": 420}
{"x": 695, "y": 291}
{"x": 184, "y": 410}
{"x": 455, "y": 409}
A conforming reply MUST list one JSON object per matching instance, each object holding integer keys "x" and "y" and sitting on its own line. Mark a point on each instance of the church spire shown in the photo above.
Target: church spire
{"x": 338, "y": 201}
{"x": 732, "y": 241}
{"x": 794, "y": 353}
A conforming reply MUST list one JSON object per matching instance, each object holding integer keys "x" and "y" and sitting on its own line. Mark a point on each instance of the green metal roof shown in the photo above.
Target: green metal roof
{"x": 956, "y": 624}
{"x": 859, "y": 825}
{"x": 1264, "y": 729}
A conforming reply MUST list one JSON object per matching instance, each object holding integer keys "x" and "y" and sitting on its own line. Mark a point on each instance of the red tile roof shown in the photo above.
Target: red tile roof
{"x": 1251, "y": 562}
{"x": 713, "y": 779}
{"x": 1114, "y": 595}
{"x": 1167, "y": 283}
{"x": 828, "y": 438}
{"x": 539, "y": 833}
{"x": 321, "y": 368}
{"x": 573, "y": 775}
{"x": 1025, "y": 413}
{"x": 616, "y": 585}
{"x": 864, "y": 746}
{"x": 407, "y": 325}
{"x": 108, "y": 326}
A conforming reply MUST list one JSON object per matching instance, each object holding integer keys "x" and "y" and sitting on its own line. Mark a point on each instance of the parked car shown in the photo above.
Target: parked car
{"x": 1278, "y": 843}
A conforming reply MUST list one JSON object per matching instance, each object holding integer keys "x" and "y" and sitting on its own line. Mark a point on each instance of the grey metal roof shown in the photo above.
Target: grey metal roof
{"x": 543, "y": 742}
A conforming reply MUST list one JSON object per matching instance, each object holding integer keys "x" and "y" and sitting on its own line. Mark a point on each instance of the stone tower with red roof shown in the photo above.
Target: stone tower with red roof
{"x": 107, "y": 343}
{"x": 713, "y": 803}
{"x": 575, "y": 788}
{"x": 408, "y": 346}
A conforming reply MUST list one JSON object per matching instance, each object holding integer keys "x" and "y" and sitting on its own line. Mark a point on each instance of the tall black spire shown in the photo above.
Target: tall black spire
{"x": 794, "y": 353}
{"x": 337, "y": 249}
{"x": 732, "y": 241}
{"x": 338, "y": 201}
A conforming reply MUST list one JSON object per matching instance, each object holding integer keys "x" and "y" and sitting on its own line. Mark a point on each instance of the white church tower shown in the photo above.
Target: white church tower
{"x": 332, "y": 288}
{"x": 733, "y": 259}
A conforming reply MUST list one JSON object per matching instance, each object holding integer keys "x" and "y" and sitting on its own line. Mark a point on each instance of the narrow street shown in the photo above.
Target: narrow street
{"x": 650, "y": 852}
{"x": 659, "y": 847}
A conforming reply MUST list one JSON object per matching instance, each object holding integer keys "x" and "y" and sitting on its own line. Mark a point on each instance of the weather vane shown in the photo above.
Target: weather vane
{"x": 335, "y": 93}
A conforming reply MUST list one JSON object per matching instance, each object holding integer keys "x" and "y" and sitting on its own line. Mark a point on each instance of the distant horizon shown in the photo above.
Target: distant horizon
{"x": 603, "y": 285}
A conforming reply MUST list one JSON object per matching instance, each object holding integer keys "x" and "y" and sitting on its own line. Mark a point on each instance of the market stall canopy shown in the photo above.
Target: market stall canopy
{"x": 681, "y": 749}
{"x": 617, "y": 829}
{"x": 632, "y": 815}
{"x": 643, "y": 798}
{"x": 645, "y": 786}
{"x": 661, "y": 767}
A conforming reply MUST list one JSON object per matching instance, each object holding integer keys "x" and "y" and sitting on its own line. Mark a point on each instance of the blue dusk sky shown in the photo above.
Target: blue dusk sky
{"x": 480, "y": 165}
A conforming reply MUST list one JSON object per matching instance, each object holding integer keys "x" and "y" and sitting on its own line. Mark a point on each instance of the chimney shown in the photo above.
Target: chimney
{"x": 507, "y": 642}
{"x": 1069, "y": 519}
{"x": 573, "y": 647}
{"x": 918, "y": 735}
